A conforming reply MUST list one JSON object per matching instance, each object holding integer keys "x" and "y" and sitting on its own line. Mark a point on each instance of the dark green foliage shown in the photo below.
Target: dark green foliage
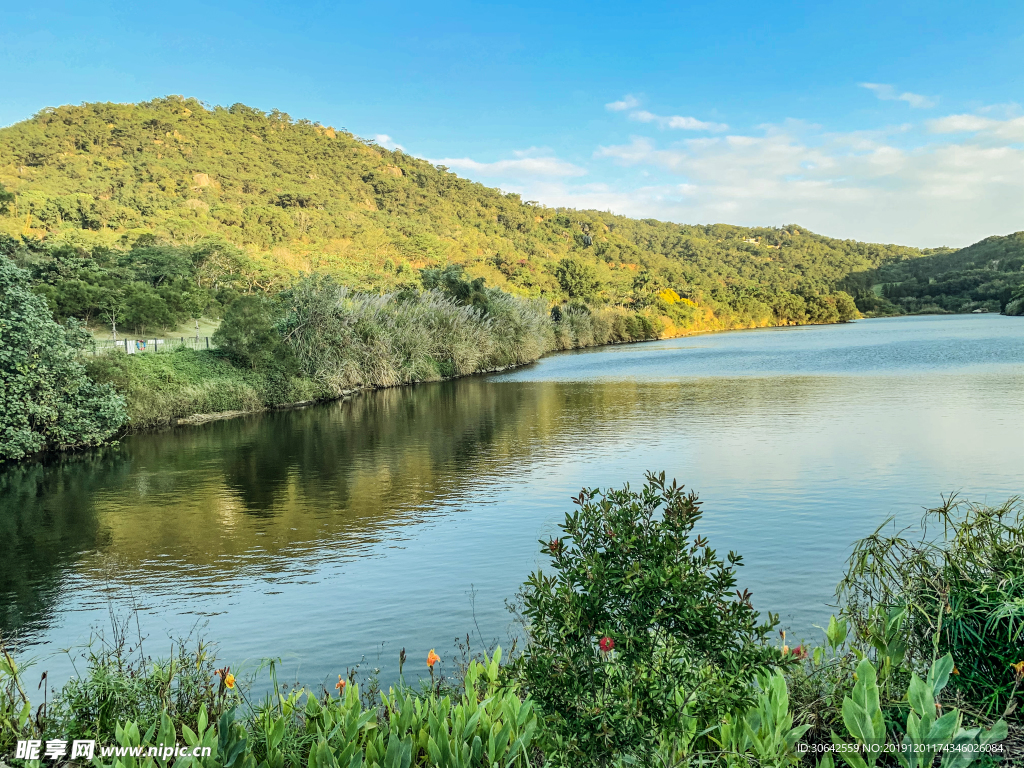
{"x": 628, "y": 570}
{"x": 47, "y": 400}
{"x": 452, "y": 282}
{"x": 982, "y": 276}
{"x": 956, "y": 591}
{"x": 149, "y": 287}
{"x": 6, "y": 198}
{"x": 249, "y": 335}
{"x": 1015, "y": 306}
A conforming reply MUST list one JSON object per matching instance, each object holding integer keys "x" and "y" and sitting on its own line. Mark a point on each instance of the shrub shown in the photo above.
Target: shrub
{"x": 46, "y": 400}
{"x": 638, "y": 629}
{"x": 957, "y": 592}
{"x": 577, "y": 278}
{"x": 249, "y": 335}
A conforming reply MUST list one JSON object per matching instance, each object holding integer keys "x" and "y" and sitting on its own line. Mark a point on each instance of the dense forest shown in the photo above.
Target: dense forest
{"x": 986, "y": 276}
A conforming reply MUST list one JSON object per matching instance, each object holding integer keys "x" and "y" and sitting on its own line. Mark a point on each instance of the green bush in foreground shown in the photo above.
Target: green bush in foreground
{"x": 46, "y": 401}
{"x": 638, "y": 632}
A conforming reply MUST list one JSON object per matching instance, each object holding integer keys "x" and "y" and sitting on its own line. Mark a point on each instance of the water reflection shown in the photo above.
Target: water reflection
{"x": 324, "y": 531}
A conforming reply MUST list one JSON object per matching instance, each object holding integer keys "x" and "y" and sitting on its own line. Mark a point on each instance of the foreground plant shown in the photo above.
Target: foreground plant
{"x": 488, "y": 724}
{"x": 929, "y": 731}
{"x": 959, "y": 591}
{"x": 638, "y": 632}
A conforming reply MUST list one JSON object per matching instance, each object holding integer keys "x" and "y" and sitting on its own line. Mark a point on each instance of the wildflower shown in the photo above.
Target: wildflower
{"x": 226, "y": 678}
{"x": 606, "y": 644}
{"x": 1018, "y": 669}
{"x": 800, "y": 653}
{"x": 554, "y": 545}
{"x": 432, "y": 659}
{"x": 785, "y": 650}
{"x": 340, "y": 685}
{"x": 955, "y": 670}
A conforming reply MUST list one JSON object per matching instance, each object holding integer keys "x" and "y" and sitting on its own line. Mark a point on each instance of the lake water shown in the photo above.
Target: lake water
{"x": 406, "y": 517}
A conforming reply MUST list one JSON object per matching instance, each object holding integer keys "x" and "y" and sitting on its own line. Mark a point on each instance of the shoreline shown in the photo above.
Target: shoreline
{"x": 200, "y": 419}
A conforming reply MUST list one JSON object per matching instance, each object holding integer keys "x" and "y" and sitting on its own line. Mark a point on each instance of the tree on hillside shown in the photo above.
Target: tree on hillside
{"x": 47, "y": 400}
{"x": 577, "y": 278}
{"x": 6, "y": 198}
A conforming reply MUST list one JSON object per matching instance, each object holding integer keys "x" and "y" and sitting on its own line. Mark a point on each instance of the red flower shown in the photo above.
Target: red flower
{"x": 554, "y": 545}
{"x": 606, "y": 644}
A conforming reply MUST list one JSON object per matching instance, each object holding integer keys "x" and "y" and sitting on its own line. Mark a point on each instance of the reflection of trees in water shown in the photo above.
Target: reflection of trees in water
{"x": 47, "y": 520}
{"x": 268, "y": 493}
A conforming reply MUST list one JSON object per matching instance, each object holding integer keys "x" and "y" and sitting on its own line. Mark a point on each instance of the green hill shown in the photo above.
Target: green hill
{"x": 291, "y": 196}
{"x": 986, "y": 275}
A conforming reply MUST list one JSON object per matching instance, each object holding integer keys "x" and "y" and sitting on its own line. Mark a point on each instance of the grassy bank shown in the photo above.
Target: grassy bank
{"x": 318, "y": 339}
{"x": 323, "y": 341}
{"x": 641, "y": 650}
{"x": 160, "y": 389}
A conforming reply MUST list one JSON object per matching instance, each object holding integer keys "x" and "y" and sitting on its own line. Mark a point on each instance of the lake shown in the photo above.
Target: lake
{"x": 407, "y": 517}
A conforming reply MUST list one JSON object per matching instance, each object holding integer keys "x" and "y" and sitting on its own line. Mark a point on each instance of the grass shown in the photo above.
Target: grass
{"x": 207, "y": 326}
{"x": 160, "y": 389}
{"x": 338, "y": 340}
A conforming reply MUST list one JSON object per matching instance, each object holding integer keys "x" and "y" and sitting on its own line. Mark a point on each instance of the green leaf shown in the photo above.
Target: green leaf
{"x": 921, "y": 697}
{"x": 939, "y": 674}
{"x": 995, "y": 734}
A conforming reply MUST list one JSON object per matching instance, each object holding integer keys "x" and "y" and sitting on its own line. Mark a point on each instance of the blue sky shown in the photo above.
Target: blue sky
{"x": 895, "y": 122}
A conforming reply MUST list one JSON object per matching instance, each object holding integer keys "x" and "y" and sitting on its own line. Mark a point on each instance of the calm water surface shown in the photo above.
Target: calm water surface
{"x": 406, "y": 517}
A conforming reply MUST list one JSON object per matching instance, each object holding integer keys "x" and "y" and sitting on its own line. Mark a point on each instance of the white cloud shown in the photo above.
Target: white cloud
{"x": 527, "y": 164}
{"x": 888, "y": 93}
{"x": 676, "y": 121}
{"x": 949, "y": 181}
{"x": 628, "y": 102}
{"x": 863, "y": 185}
{"x": 1008, "y": 130}
{"x": 387, "y": 142}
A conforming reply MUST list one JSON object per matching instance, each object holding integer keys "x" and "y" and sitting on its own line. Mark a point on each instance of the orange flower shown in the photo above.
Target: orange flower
{"x": 432, "y": 659}
{"x": 229, "y": 680}
{"x": 341, "y": 685}
{"x": 1018, "y": 668}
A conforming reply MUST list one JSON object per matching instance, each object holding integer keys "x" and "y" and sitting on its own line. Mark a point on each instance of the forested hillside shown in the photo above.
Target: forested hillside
{"x": 988, "y": 276}
{"x": 147, "y": 194}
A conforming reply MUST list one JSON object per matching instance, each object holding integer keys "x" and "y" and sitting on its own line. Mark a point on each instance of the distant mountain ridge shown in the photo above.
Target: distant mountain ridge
{"x": 299, "y": 196}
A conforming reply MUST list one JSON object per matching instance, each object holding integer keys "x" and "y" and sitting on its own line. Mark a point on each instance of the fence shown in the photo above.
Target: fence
{"x": 134, "y": 346}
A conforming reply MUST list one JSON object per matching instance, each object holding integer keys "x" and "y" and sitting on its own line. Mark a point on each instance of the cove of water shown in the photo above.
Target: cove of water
{"x": 406, "y": 517}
